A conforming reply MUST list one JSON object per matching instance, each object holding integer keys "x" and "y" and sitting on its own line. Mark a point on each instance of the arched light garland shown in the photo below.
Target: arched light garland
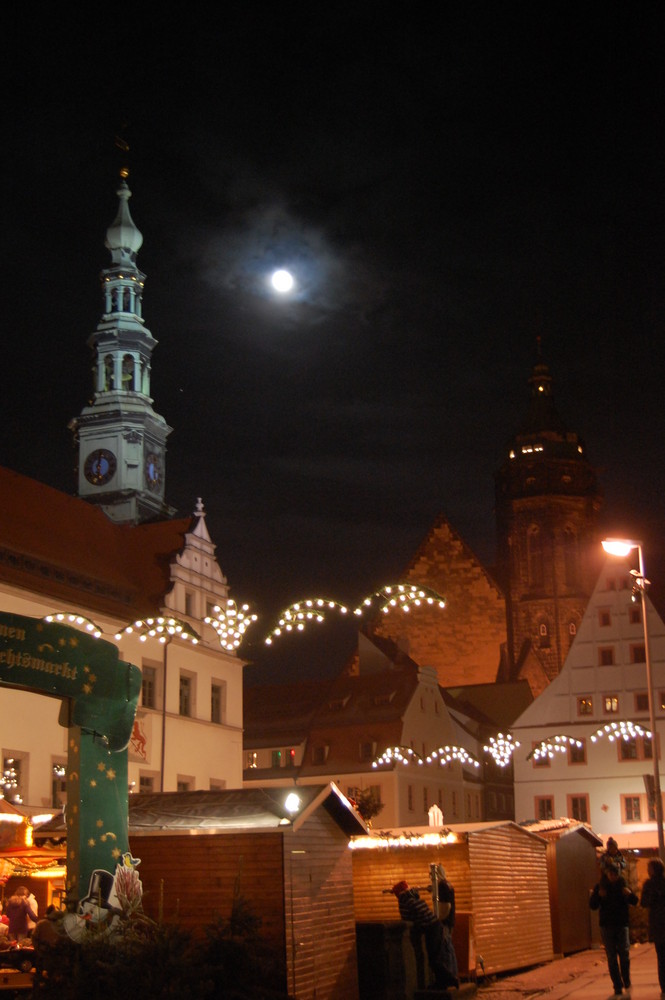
{"x": 501, "y": 749}
{"x": 401, "y": 595}
{"x": 397, "y": 755}
{"x": 624, "y": 730}
{"x": 60, "y": 616}
{"x": 162, "y": 629}
{"x": 230, "y": 622}
{"x": 316, "y": 609}
{"x": 552, "y": 745}
{"x": 296, "y": 616}
{"x": 446, "y": 755}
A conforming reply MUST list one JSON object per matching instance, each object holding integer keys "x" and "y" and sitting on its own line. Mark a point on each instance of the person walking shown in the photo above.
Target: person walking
{"x": 612, "y": 897}
{"x": 653, "y": 899}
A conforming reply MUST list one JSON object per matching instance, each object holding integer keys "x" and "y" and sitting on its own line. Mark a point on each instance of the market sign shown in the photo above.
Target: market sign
{"x": 99, "y": 694}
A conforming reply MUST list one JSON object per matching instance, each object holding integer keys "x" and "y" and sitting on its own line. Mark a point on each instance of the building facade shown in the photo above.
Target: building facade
{"x": 586, "y": 750}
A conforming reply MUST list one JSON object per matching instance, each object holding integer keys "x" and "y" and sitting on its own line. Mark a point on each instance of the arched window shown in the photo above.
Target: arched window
{"x": 128, "y": 373}
{"x": 109, "y": 376}
{"x": 570, "y": 558}
{"x": 535, "y": 556}
{"x": 544, "y": 634}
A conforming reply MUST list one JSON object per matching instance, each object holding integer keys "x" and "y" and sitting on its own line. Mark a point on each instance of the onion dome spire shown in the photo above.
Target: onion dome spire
{"x": 123, "y": 238}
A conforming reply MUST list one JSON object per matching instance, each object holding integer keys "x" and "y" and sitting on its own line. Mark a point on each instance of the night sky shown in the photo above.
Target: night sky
{"x": 447, "y": 183}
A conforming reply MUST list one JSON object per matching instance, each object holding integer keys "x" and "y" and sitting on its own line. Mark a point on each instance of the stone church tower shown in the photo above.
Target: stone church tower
{"x": 547, "y": 506}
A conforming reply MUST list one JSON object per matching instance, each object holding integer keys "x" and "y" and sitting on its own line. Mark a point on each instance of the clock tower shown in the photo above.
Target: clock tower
{"x": 121, "y": 440}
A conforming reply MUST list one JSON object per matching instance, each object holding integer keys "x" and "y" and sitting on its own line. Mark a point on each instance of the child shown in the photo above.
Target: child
{"x": 611, "y": 857}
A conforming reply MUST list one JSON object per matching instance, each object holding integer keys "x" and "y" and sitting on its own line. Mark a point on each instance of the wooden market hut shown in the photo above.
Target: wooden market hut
{"x": 499, "y": 872}
{"x": 293, "y": 868}
{"x": 572, "y": 869}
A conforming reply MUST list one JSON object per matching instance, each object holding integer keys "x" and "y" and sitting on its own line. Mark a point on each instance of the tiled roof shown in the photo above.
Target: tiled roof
{"x": 62, "y": 547}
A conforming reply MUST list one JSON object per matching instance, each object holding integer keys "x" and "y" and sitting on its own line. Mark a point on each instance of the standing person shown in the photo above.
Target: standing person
{"x": 34, "y": 906}
{"x": 18, "y": 913}
{"x": 425, "y": 924}
{"x": 653, "y": 898}
{"x": 612, "y": 856}
{"x": 612, "y": 897}
{"x": 445, "y": 897}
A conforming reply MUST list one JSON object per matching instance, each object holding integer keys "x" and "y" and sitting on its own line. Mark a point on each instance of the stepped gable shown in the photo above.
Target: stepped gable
{"x": 62, "y": 547}
{"x": 463, "y": 642}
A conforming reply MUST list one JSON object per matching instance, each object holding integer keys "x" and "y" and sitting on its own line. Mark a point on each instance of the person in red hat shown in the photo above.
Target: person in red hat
{"x": 425, "y": 924}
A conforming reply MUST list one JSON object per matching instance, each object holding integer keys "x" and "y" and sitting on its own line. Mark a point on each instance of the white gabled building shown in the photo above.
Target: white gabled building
{"x": 585, "y": 747}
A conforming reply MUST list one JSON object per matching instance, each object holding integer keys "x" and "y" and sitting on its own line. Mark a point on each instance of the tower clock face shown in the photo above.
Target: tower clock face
{"x": 100, "y": 466}
{"x": 153, "y": 471}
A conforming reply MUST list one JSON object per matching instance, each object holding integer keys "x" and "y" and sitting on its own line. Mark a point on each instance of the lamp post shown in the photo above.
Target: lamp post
{"x": 622, "y": 547}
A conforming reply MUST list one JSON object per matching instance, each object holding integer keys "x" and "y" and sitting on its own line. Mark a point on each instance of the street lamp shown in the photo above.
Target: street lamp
{"x": 622, "y": 547}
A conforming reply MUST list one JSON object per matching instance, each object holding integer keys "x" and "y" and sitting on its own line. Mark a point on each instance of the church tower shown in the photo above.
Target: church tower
{"x": 547, "y": 505}
{"x": 121, "y": 440}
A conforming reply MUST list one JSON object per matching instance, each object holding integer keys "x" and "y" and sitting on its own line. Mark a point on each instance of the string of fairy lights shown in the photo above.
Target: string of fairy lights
{"x": 399, "y": 596}
{"x": 231, "y": 622}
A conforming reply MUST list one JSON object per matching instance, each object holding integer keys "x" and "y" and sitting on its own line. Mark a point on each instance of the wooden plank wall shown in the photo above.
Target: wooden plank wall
{"x": 510, "y": 898}
{"x": 320, "y": 925}
{"x": 199, "y": 876}
{"x": 376, "y": 870}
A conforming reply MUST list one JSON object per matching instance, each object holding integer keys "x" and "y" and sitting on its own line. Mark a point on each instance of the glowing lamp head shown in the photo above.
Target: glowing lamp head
{"x": 618, "y": 546}
{"x": 292, "y": 803}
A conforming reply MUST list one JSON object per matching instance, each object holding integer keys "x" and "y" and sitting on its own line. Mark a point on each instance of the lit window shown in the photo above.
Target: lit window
{"x": 252, "y": 759}
{"x": 610, "y": 704}
{"x": 585, "y": 706}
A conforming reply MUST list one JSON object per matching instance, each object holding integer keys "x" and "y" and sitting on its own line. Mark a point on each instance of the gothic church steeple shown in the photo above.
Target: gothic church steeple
{"x": 121, "y": 440}
{"x": 547, "y": 505}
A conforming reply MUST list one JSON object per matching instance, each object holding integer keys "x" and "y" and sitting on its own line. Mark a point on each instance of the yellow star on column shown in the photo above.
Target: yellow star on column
{"x": 101, "y": 766}
{"x": 116, "y": 852}
{"x": 93, "y": 783}
{"x": 110, "y": 774}
{"x": 91, "y": 841}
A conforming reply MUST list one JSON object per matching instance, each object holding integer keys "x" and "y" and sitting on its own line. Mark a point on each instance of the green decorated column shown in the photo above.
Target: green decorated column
{"x": 99, "y": 693}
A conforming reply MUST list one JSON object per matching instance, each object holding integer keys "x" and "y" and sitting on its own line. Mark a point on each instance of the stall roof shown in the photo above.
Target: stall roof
{"x": 561, "y": 827}
{"x": 229, "y": 809}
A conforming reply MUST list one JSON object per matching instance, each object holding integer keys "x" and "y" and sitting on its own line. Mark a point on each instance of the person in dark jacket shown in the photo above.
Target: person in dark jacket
{"x": 653, "y": 898}
{"x": 445, "y": 894}
{"x": 612, "y": 897}
{"x": 426, "y": 924}
{"x": 19, "y": 913}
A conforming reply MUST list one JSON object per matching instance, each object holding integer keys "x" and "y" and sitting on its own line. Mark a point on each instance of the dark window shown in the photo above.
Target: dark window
{"x": 545, "y": 807}
{"x": 637, "y": 653}
{"x": 185, "y": 695}
{"x": 276, "y": 758}
{"x": 579, "y": 808}
{"x": 628, "y": 749}
{"x": 641, "y": 701}
{"x": 149, "y": 687}
{"x": 604, "y": 618}
{"x": 631, "y": 805}
{"x": 606, "y": 656}
{"x": 577, "y": 755}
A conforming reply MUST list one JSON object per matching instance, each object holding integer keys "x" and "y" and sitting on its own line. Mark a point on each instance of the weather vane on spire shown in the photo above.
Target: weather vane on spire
{"x": 123, "y": 145}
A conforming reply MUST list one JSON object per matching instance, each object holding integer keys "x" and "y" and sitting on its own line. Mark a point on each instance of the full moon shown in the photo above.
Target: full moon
{"x": 282, "y": 281}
